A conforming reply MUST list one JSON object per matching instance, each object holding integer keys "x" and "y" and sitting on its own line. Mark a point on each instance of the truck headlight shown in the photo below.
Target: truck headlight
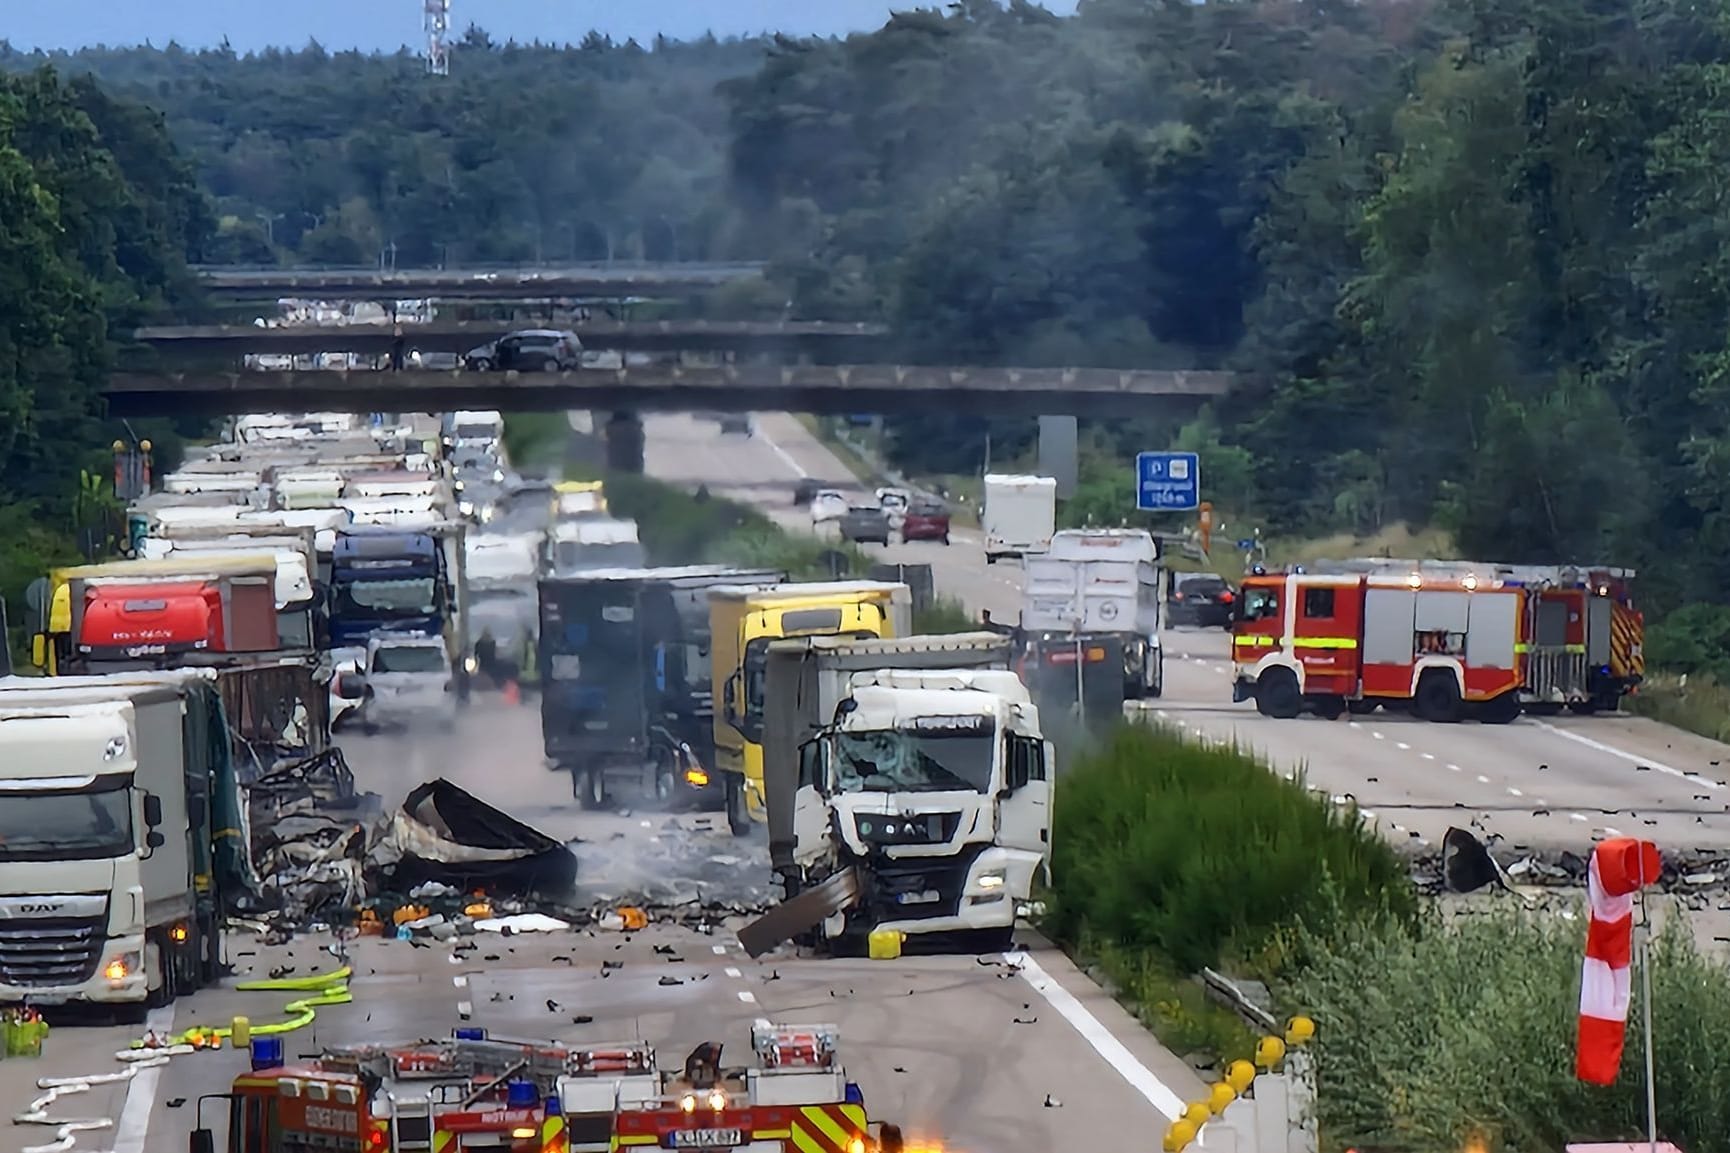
{"x": 471, "y": 664}
{"x": 122, "y": 966}
{"x": 466, "y": 507}
{"x": 992, "y": 880}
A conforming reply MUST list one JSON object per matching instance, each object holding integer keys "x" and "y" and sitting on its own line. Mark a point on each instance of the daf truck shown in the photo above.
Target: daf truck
{"x": 922, "y": 807}
{"x": 743, "y": 621}
{"x": 120, "y": 841}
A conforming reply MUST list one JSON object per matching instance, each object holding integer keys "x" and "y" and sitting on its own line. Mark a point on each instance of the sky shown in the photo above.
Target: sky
{"x": 388, "y": 24}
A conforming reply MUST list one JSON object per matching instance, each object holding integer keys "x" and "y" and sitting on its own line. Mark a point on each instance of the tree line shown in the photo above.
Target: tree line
{"x": 1469, "y": 258}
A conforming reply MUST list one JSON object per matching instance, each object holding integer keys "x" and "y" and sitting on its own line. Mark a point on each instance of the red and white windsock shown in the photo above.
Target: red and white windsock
{"x": 1620, "y": 868}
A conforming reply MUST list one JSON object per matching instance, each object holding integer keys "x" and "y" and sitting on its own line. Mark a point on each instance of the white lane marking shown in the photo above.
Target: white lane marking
{"x": 732, "y": 972}
{"x": 135, "y": 1113}
{"x": 1401, "y": 745}
{"x": 1453, "y": 768}
{"x": 1513, "y": 792}
{"x": 460, "y": 982}
{"x": 747, "y": 996}
{"x": 1428, "y": 756}
{"x": 1483, "y": 780}
{"x": 1139, "y": 1076}
{"x": 1369, "y": 814}
{"x": 719, "y": 950}
{"x": 1612, "y": 750}
{"x": 1378, "y": 736}
{"x": 1576, "y": 816}
{"x": 786, "y": 457}
{"x": 1612, "y": 832}
{"x": 465, "y": 1009}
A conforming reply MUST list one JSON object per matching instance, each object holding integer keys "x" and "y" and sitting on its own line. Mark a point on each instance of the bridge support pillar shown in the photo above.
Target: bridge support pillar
{"x": 625, "y": 442}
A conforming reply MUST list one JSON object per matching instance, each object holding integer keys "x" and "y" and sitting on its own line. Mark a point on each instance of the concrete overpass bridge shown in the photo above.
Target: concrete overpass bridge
{"x": 747, "y": 387}
{"x": 205, "y": 344}
{"x": 539, "y": 283}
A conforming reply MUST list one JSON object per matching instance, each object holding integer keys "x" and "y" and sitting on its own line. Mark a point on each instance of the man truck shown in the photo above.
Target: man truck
{"x": 120, "y": 849}
{"x": 743, "y": 621}
{"x": 908, "y": 785}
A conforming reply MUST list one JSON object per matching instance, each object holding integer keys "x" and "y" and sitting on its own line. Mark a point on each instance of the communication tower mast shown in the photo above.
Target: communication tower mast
{"x": 438, "y": 24}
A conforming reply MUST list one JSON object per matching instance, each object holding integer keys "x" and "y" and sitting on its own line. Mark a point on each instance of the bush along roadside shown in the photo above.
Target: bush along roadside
{"x": 1169, "y": 856}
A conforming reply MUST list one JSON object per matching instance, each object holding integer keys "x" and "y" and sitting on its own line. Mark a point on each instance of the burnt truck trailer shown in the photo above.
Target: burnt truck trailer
{"x": 624, "y": 666}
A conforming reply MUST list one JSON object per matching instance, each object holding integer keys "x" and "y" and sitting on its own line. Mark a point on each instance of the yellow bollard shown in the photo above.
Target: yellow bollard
{"x": 240, "y": 1032}
{"x": 1220, "y": 1097}
{"x": 883, "y": 944}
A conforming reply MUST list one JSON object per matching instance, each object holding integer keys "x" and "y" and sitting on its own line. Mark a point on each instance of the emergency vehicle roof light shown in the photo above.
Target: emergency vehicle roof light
{"x": 521, "y": 1095}
{"x": 266, "y": 1053}
{"x": 469, "y": 1034}
{"x": 853, "y": 1096}
{"x": 553, "y": 1107}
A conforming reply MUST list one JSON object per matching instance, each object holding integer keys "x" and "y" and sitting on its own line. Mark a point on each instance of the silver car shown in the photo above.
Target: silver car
{"x": 409, "y": 683}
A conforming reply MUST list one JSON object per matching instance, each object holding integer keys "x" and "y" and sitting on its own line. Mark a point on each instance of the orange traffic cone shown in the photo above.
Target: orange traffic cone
{"x": 511, "y": 694}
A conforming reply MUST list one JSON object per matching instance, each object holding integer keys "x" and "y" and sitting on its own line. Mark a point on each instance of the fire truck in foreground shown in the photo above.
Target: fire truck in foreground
{"x": 477, "y": 1092}
{"x": 1446, "y": 640}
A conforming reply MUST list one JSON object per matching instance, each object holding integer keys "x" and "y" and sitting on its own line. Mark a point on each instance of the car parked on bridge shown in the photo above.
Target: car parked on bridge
{"x": 926, "y": 520}
{"x": 528, "y": 350}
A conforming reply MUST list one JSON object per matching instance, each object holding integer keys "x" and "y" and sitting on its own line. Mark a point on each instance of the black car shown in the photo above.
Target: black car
{"x": 530, "y": 350}
{"x": 1201, "y": 599}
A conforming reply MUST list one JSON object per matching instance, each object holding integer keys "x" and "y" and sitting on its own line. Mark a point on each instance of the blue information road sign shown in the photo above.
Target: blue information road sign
{"x": 1167, "y": 482}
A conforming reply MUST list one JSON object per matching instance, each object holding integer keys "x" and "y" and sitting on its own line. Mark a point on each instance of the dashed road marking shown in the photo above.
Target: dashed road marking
{"x": 1612, "y": 832}
{"x": 1401, "y": 745}
{"x": 747, "y": 996}
{"x": 1576, "y": 816}
{"x": 1428, "y": 756}
{"x": 1378, "y": 736}
{"x": 1513, "y": 792}
{"x": 732, "y": 972}
{"x": 1453, "y": 768}
{"x": 1482, "y": 779}
{"x": 719, "y": 950}
{"x": 460, "y": 982}
{"x": 465, "y": 1009}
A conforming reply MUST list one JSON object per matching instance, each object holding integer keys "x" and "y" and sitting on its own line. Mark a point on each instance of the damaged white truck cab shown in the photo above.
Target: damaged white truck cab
{"x": 934, "y": 786}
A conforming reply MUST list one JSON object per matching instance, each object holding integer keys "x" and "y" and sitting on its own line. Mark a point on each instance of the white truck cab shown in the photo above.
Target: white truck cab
{"x": 936, "y": 784}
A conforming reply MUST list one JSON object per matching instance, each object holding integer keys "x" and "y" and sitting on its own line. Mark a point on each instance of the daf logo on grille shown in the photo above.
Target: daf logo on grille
{"x": 48, "y": 908}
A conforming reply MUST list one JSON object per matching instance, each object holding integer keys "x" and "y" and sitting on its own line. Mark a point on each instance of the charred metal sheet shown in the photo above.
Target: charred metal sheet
{"x": 809, "y": 909}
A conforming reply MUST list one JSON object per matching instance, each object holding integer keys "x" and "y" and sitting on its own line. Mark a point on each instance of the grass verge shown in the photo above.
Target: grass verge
{"x": 1169, "y": 856}
{"x": 1697, "y": 703}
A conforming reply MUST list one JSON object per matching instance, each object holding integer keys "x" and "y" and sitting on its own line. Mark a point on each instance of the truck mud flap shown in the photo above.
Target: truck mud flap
{"x": 809, "y": 909}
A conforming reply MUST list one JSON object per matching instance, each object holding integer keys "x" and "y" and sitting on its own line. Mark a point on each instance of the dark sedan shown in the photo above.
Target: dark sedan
{"x": 865, "y": 523}
{"x": 1201, "y": 599}
{"x": 926, "y": 520}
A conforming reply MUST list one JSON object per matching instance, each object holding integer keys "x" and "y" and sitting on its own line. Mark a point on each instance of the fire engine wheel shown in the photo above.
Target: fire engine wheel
{"x": 1583, "y": 708}
{"x": 1277, "y": 695}
{"x": 1360, "y": 708}
{"x": 1438, "y": 698}
{"x": 1503, "y": 710}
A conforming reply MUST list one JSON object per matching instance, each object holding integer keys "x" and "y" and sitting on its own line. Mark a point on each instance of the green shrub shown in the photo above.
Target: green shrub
{"x": 1194, "y": 853}
{"x": 1429, "y": 1035}
{"x": 944, "y": 615}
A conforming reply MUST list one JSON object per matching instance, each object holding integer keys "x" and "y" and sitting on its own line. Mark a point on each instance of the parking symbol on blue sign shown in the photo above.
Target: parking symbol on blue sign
{"x": 1167, "y": 482}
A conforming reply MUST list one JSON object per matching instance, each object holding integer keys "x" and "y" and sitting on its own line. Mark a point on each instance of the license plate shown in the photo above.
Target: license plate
{"x": 707, "y": 1138}
{"x": 928, "y": 897}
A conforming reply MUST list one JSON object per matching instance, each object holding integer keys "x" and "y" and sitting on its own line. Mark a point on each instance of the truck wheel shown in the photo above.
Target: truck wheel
{"x": 990, "y": 558}
{"x": 1503, "y": 710}
{"x": 210, "y": 946}
{"x": 738, "y": 814}
{"x": 1583, "y": 708}
{"x": 889, "y": 1140}
{"x": 590, "y": 787}
{"x": 1438, "y": 698}
{"x": 1277, "y": 695}
{"x": 1360, "y": 708}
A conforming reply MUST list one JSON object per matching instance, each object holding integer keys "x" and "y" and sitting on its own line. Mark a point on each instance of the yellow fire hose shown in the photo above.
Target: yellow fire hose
{"x": 322, "y": 989}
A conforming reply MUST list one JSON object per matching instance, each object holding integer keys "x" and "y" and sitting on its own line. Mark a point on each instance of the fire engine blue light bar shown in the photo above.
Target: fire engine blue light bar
{"x": 266, "y": 1053}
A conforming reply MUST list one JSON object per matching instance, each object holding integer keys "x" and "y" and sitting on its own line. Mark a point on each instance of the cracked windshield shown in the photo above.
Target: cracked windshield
{"x": 1006, "y": 576}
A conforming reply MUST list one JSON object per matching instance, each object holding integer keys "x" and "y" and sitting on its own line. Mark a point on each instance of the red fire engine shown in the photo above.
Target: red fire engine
{"x": 1441, "y": 644}
{"x": 1583, "y": 642}
{"x": 477, "y": 1092}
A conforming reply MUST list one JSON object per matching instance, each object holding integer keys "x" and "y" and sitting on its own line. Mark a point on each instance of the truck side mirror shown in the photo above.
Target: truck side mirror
{"x": 152, "y": 810}
{"x": 154, "y": 840}
{"x": 730, "y": 699}
{"x": 201, "y": 1141}
{"x": 39, "y": 651}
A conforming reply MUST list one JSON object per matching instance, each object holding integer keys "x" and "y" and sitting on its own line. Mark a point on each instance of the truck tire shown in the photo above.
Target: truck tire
{"x": 1438, "y": 698}
{"x": 210, "y": 952}
{"x": 1328, "y": 708}
{"x": 1277, "y": 695}
{"x": 589, "y": 786}
{"x": 1502, "y": 710}
{"x": 738, "y": 814}
{"x": 889, "y": 1140}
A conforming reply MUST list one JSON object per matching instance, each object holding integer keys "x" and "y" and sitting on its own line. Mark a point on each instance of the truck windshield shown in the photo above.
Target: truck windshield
{"x": 78, "y": 824}
{"x": 897, "y": 762}
{"x": 412, "y": 596}
{"x": 573, "y": 555}
{"x": 409, "y": 659}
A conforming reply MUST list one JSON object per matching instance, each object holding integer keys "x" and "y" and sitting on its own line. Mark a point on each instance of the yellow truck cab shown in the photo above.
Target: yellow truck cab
{"x": 743, "y": 620}
{"x": 573, "y": 499}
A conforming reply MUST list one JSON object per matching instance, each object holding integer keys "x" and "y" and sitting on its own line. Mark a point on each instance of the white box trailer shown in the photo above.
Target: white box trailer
{"x": 1019, "y": 514}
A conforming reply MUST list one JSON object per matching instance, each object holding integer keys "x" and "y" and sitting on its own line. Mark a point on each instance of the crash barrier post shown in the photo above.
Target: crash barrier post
{"x": 1263, "y": 1107}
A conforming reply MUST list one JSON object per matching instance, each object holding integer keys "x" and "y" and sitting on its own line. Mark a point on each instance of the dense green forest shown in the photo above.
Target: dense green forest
{"x": 97, "y": 212}
{"x": 1471, "y": 258}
